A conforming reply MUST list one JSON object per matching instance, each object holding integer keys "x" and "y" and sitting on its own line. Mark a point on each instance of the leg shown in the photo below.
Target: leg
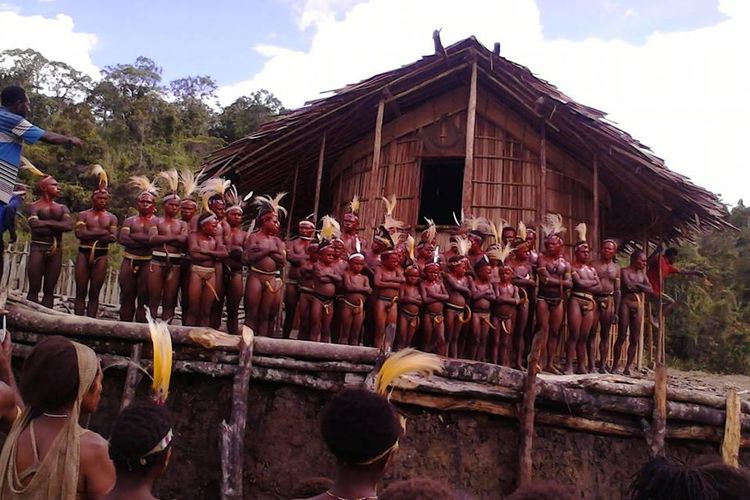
{"x": 53, "y": 267}
{"x": 253, "y": 294}
{"x": 574, "y": 331}
{"x": 234, "y": 298}
{"x": 269, "y": 305}
{"x": 401, "y": 332}
{"x": 356, "y": 330}
{"x": 82, "y": 283}
{"x": 438, "y": 333}
{"x": 207, "y": 300}
{"x": 390, "y": 326}
{"x": 142, "y": 290}
{"x": 473, "y": 337}
{"x": 303, "y": 312}
{"x": 347, "y": 318}
{"x": 587, "y": 324}
{"x": 427, "y": 330}
{"x": 169, "y": 293}
{"x": 484, "y": 330}
{"x": 541, "y": 332}
{"x": 622, "y": 335}
{"x": 605, "y": 328}
{"x": 381, "y": 317}
{"x": 635, "y": 333}
{"x": 555, "y": 324}
{"x": 155, "y": 283}
{"x": 506, "y": 332}
{"x": 34, "y": 269}
{"x": 451, "y": 321}
{"x": 218, "y": 305}
{"x": 325, "y": 323}
{"x": 316, "y": 318}
{"x": 519, "y": 329}
{"x": 411, "y": 330}
{"x": 127, "y": 290}
{"x": 194, "y": 293}
{"x": 98, "y": 275}
{"x": 291, "y": 297}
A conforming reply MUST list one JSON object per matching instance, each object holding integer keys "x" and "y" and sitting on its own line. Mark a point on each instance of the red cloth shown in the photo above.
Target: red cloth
{"x": 653, "y": 273}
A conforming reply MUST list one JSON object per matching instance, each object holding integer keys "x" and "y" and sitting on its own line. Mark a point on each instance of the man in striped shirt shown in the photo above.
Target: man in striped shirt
{"x": 14, "y": 131}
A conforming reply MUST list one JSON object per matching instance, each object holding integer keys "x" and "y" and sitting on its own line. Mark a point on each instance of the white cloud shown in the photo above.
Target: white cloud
{"x": 55, "y": 38}
{"x": 682, "y": 93}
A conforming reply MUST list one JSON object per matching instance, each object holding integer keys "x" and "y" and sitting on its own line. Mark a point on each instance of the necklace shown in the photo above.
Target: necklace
{"x": 332, "y": 495}
{"x": 54, "y": 415}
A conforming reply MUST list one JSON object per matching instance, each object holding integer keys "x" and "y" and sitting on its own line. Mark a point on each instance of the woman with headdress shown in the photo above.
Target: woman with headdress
{"x": 136, "y": 239}
{"x": 505, "y": 309}
{"x": 234, "y": 241}
{"x": 356, "y": 290}
{"x": 326, "y": 279}
{"x": 206, "y": 249}
{"x": 523, "y": 279}
{"x": 48, "y": 220}
{"x": 409, "y": 300}
{"x": 168, "y": 238}
{"x": 95, "y": 229}
{"x": 482, "y": 297}
{"x": 297, "y": 256}
{"x": 386, "y": 284}
{"x": 581, "y": 304}
{"x": 265, "y": 256}
{"x": 212, "y": 192}
{"x": 434, "y": 297}
{"x": 554, "y": 279}
{"x": 458, "y": 284}
{"x": 47, "y": 454}
{"x": 607, "y": 302}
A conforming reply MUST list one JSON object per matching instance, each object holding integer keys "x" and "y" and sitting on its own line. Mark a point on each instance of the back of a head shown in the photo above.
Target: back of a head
{"x": 359, "y": 426}
{"x": 141, "y": 436}
{"x": 543, "y": 490}
{"x": 49, "y": 380}
{"x": 11, "y": 95}
{"x": 665, "y": 479}
{"x": 418, "y": 489}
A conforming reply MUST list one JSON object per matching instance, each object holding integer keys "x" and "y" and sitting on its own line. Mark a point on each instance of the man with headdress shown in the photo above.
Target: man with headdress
{"x": 581, "y": 304}
{"x": 265, "y": 256}
{"x": 212, "y": 193}
{"x": 297, "y": 256}
{"x": 386, "y": 284}
{"x": 168, "y": 238}
{"x": 234, "y": 241}
{"x": 206, "y": 249}
{"x": 607, "y": 302}
{"x": 188, "y": 210}
{"x": 327, "y": 279}
{"x": 48, "y": 220}
{"x": 95, "y": 228}
{"x": 136, "y": 240}
{"x": 554, "y": 279}
{"x": 635, "y": 287}
{"x": 350, "y": 234}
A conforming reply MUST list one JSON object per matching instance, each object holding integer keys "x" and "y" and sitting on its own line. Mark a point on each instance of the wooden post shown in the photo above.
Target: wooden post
{"x": 730, "y": 445}
{"x": 659, "y": 419}
{"x": 294, "y": 199}
{"x": 542, "y": 175}
{"x": 526, "y": 418}
{"x": 661, "y": 350}
{"x": 319, "y": 178}
{"x": 374, "y": 189}
{"x": 133, "y": 376}
{"x": 595, "y": 216}
{"x": 232, "y": 435}
{"x": 471, "y": 119}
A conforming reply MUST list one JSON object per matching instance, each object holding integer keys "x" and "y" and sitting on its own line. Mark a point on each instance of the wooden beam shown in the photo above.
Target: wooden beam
{"x": 374, "y": 188}
{"x": 542, "y": 202}
{"x": 319, "y": 177}
{"x": 659, "y": 418}
{"x": 294, "y": 200}
{"x": 471, "y": 117}
{"x": 730, "y": 445}
{"x": 596, "y": 223}
{"x": 526, "y": 422}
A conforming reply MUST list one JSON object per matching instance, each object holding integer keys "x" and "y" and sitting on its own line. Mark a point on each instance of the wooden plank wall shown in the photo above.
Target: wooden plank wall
{"x": 403, "y": 178}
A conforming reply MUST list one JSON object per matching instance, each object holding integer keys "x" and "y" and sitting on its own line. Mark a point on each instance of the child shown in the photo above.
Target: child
{"x": 356, "y": 288}
{"x": 409, "y": 305}
{"x": 434, "y": 296}
{"x": 504, "y": 310}
{"x": 482, "y": 295}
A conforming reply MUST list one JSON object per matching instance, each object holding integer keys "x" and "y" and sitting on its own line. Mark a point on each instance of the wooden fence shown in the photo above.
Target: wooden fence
{"x": 15, "y": 277}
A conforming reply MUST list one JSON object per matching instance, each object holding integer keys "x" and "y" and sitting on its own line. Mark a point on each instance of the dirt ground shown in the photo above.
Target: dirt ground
{"x": 472, "y": 451}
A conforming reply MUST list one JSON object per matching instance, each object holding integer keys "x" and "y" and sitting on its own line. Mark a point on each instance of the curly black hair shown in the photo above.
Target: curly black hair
{"x": 358, "y": 425}
{"x": 137, "y": 430}
{"x": 49, "y": 380}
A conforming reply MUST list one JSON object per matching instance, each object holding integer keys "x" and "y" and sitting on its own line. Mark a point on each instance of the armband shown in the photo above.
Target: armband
{"x": 125, "y": 228}
{"x": 80, "y": 223}
{"x": 33, "y": 217}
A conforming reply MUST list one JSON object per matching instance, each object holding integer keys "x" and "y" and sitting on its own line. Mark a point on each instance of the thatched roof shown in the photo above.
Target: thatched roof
{"x": 646, "y": 195}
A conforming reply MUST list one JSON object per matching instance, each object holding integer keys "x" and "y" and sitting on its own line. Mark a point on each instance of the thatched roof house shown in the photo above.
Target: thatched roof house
{"x": 531, "y": 150}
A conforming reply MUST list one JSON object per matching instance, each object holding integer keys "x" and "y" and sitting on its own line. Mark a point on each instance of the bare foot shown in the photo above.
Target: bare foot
{"x": 626, "y": 371}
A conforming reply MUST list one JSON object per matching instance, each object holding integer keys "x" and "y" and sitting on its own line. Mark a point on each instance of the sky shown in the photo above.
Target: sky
{"x": 672, "y": 73}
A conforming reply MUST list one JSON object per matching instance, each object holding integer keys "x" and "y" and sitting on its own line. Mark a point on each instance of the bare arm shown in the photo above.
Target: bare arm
{"x": 96, "y": 467}
{"x": 455, "y": 285}
{"x": 383, "y": 282}
{"x": 61, "y": 140}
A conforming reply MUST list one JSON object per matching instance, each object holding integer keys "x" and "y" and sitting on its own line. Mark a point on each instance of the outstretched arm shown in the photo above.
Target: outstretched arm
{"x": 61, "y": 140}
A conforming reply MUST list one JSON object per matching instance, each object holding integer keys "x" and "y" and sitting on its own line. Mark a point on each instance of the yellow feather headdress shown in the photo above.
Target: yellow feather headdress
{"x": 98, "y": 171}
{"x": 462, "y": 245}
{"x": 354, "y": 205}
{"x": 29, "y": 167}
{"x": 215, "y": 186}
{"x": 234, "y": 201}
{"x": 266, "y": 204}
{"x": 189, "y": 182}
{"x": 553, "y": 225}
{"x": 144, "y": 186}
{"x": 499, "y": 253}
{"x": 429, "y": 234}
{"x": 581, "y": 232}
{"x": 172, "y": 180}
{"x": 521, "y": 233}
{"x": 330, "y": 228}
{"x": 390, "y": 222}
{"x": 161, "y": 342}
{"x": 410, "y": 243}
{"x": 403, "y": 362}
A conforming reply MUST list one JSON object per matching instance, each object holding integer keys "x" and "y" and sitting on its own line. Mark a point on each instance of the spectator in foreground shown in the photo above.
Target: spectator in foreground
{"x": 362, "y": 430}
{"x": 665, "y": 479}
{"x": 140, "y": 447}
{"x": 47, "y": 454}
{"x": 418, "y": 489}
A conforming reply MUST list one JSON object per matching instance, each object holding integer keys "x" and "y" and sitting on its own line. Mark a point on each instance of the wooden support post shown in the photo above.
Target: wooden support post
{"x": 730, "y": 444}
{"x": 595, "y": 216}
{"x": 471, "y": 120}
{"x": 659, "y": 418}
{"x": 294, "y": 201}
{"x": 133, "y": 376}
{"x": 374, "y": 188}
{"x": 526, "y": 418}
{"x": 232, "y": 435}
{"x": 661, "y": 350}
{"x": 319, "y": 178}
{"x": 542, "y": 175}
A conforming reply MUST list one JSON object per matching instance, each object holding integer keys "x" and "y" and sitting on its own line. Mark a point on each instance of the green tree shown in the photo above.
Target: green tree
{"x": 246, "y": 114}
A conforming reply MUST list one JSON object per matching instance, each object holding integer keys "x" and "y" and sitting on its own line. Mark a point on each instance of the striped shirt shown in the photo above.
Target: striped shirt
{"x": 14, "y": 131}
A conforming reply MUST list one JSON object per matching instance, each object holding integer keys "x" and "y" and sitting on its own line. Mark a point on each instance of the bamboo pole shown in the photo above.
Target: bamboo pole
{"x": 595, "y": 194}
{"x": 661, "y": 354}
{"x": 526, "y": 420}
{"x": 542, "y": 175}
{"x": 471, "y": 119}
{"x": 730, "y": 445}
{"x": 232, "y": 434}
{"x": 294, "y": 201}
{"x": 659, "y": 419}
{"x": 319, "y": 178}
{"x": 645, "y": 314}
{"x": 374, "y": 188}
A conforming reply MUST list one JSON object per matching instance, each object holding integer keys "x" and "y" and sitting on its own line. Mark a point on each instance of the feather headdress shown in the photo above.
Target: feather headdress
{"x": 145, "y": 187}
{"x": 215, "y": 187}
{"x": 553, "y": 225}
{"x": 479, "y": 226}
{"x": 581, "y": 232}
{"x": 499, "y": 253}
{"x": 308, "y": 221}
{"x": 410, "y": 244}
{"x": 462, "y": 245}
{"x": 459, "y": 223}
{"x": 390, "y": 223}
{"x": 172, "y": 180}
{"x": 29, "y": 167}
{"x": 357, "y": 249}
{"x": 430, "y": 234}
{"x": 354, "y": 205}
{"x": 161, "y": 342}
{"x": 189, "y": 184}
{"x": 521, "y": 233}
{"x": 383, "y": 236}
{"x": 403, "y": 362}
{"x": 233, "y": 200}
{"x": 98, "y": 171}
{"x": 331, "y": 229}
{"x": 268, "y": 205}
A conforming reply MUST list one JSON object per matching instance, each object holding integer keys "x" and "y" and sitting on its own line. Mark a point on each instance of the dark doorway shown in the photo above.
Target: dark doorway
{"x": 442, "y": 183}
